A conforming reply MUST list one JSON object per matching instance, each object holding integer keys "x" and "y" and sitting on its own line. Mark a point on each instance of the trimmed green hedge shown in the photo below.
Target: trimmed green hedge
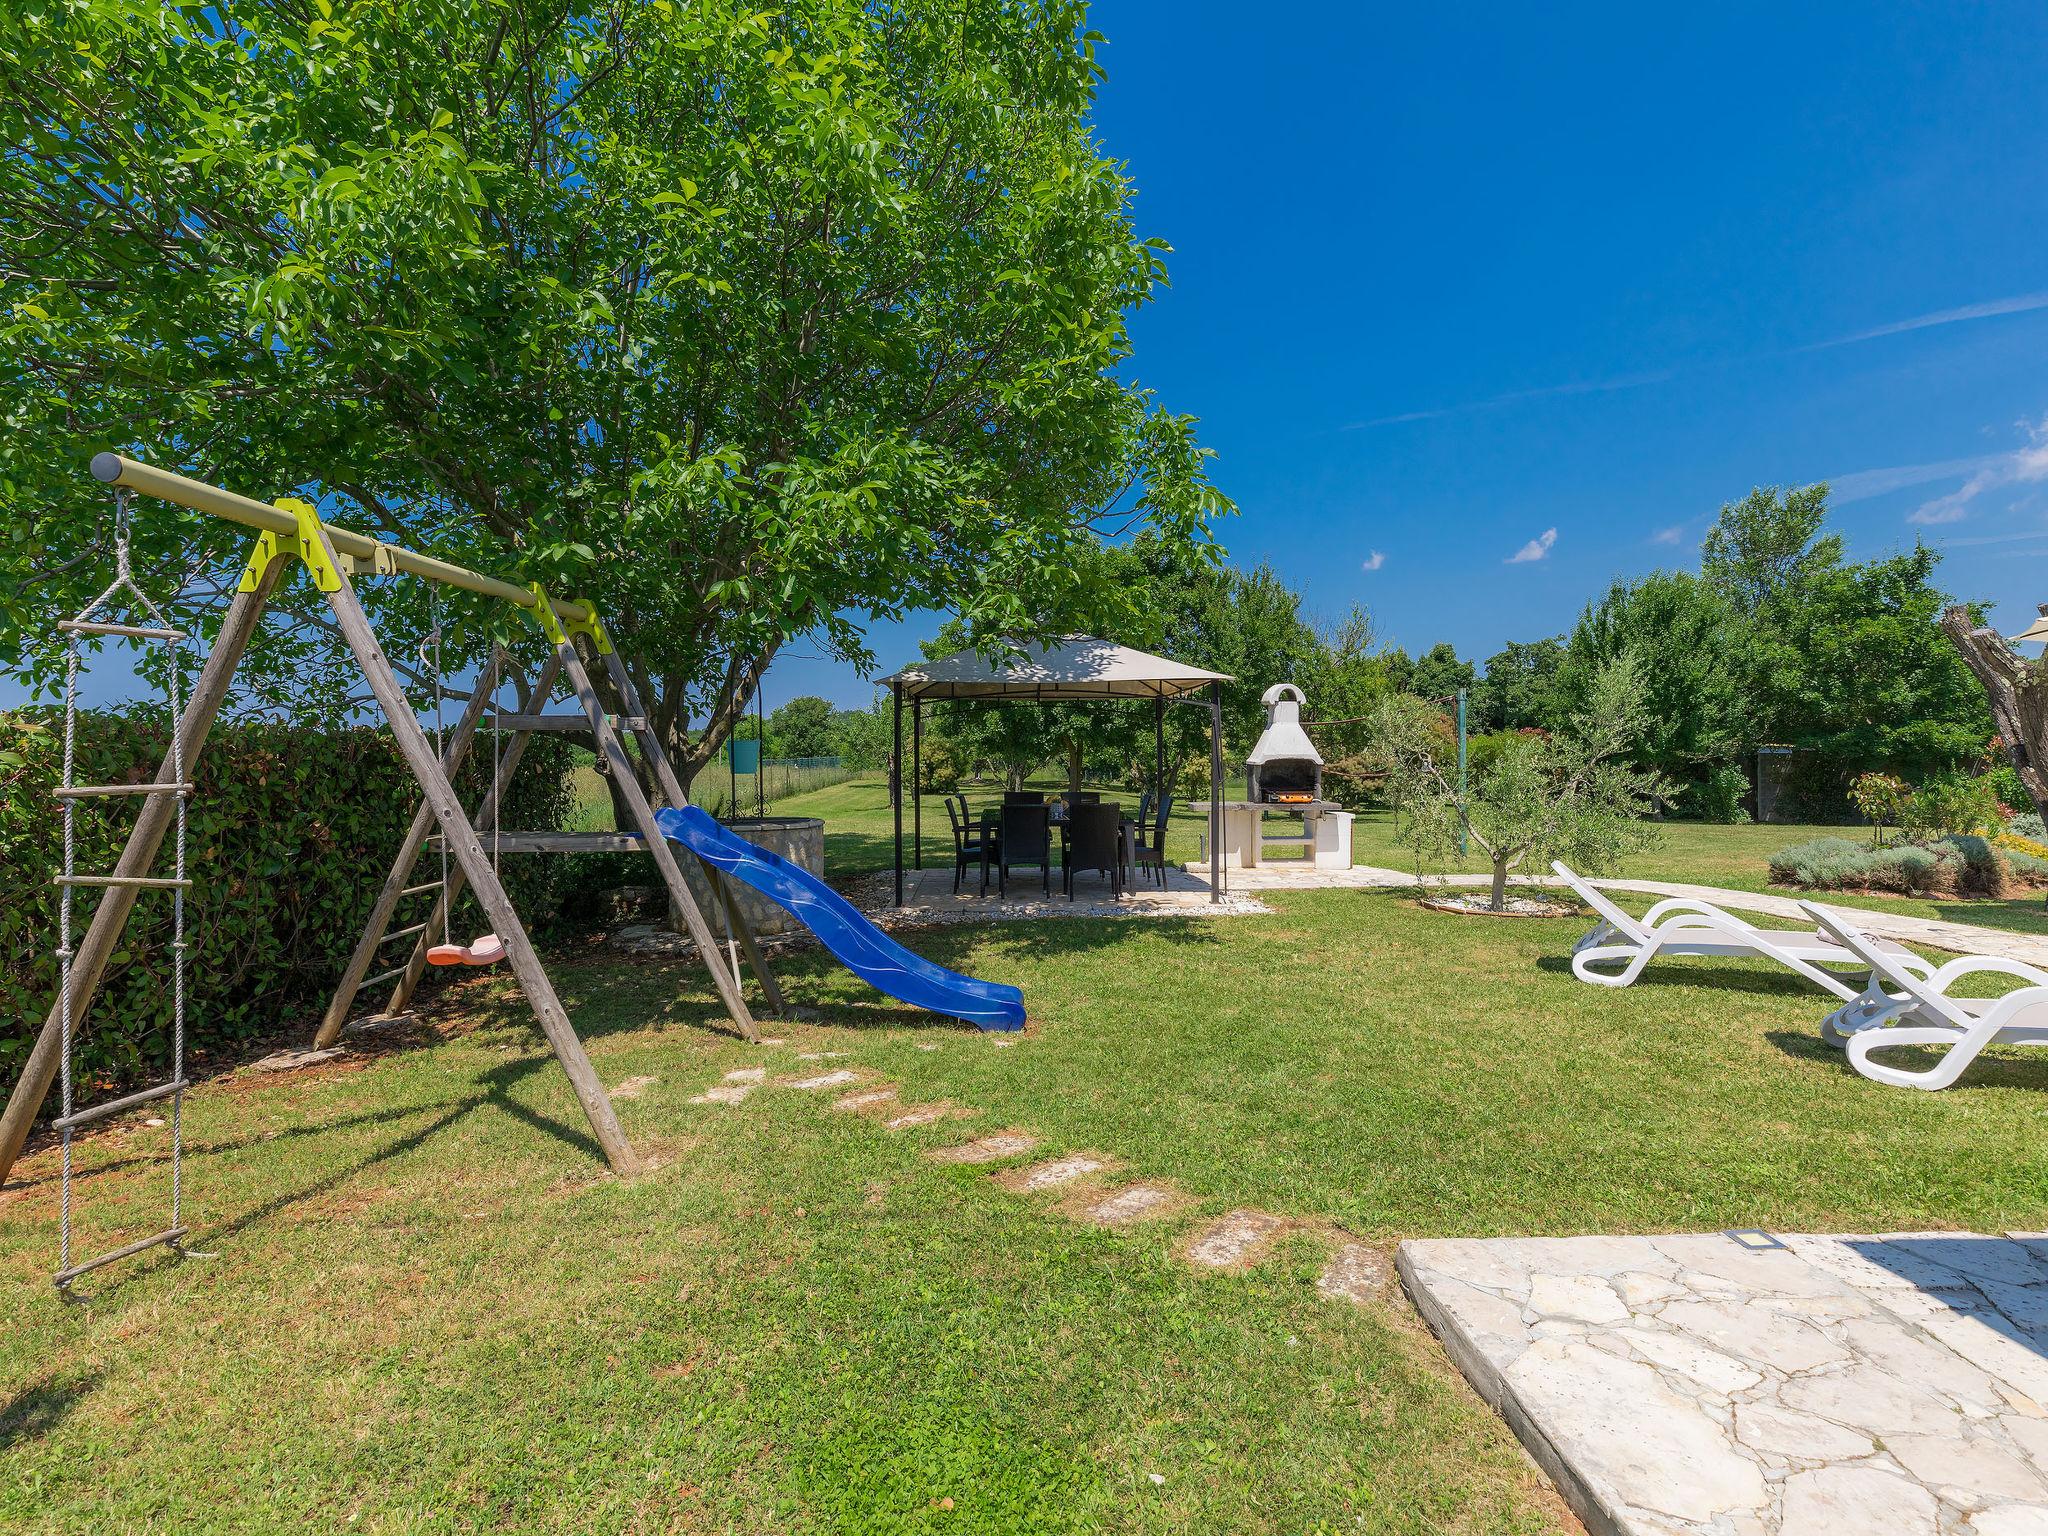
{"x": 288, "y": 837}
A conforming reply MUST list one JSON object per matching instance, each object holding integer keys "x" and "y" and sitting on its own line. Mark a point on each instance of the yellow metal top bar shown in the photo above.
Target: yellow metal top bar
{"x": 200, "y": 497}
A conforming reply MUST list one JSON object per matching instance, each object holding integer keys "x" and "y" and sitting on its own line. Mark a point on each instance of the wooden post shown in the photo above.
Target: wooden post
{"x": 1216, "y": 815}
{"x": 487, "y": 811}
{"x": 896, "y": 781}
{"x": 614, "y": 753}
{"x": 375, "y": 927}
{"x": 672, "y": 790}
{"x": 151, "y": 823}
{"x": 469, "y": 852}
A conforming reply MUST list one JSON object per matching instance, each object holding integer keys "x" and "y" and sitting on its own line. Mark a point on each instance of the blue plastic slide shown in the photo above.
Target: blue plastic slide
{"x": 858, "y": 944}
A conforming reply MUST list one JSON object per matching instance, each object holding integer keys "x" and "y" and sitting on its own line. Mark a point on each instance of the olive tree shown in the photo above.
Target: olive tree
{"x": 1575, "y": 795}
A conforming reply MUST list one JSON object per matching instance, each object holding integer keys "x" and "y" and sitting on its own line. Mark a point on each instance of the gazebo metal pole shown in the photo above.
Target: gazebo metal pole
{"x": 896, "y": 780}
{"x": 1159, "y": 751}
{"x": 1215, "y": 792}
{"x": 917, "y": 782}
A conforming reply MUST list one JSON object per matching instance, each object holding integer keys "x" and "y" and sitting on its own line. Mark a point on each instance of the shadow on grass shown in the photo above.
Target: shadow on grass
{"x": 1730, "y": 978}
{"x": 36, "y": 1410}
{"x": 233, "y": 1144}
{"x": 2026, "y": 1073}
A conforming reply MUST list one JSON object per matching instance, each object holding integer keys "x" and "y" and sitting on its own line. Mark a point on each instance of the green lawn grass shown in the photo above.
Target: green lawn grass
{"x": 433, "y": 1310}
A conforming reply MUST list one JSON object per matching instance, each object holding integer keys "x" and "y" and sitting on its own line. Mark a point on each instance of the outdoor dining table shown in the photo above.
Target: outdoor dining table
{"x": 992, "y": 837}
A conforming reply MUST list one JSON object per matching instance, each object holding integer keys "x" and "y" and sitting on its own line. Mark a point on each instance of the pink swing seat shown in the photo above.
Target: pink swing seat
{"x": 488, "y": 950}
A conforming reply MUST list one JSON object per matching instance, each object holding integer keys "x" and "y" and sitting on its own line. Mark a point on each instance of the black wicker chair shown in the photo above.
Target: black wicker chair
{"x": 1027, "y": 843}
{"x": 1094, "y": 842}
{"x": 1149, "y": 848}
{"x": 969, "y": 847}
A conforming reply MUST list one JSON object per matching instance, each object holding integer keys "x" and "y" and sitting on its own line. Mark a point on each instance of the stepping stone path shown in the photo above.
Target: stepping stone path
{"x": 867, "y": 1098}
{"x": 1050, "y": 1175}
{"x": 724, "y": 1093}
{"x": 1356, "y": 1273}
{"x": 1133, "y": 1203}
{"x": 834, "y": 1079}
{"x": 633, "y": 1087}
{"x": 1238, "y": 1240}
{"x": 986, "y": 1149}
{"x": 919, "y": 1114}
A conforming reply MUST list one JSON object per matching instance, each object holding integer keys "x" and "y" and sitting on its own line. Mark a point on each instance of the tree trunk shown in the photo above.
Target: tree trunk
{"x": 1074, "y": 765}
{"x": 1500, "y": 884}
{"x": 2019, "y": 699}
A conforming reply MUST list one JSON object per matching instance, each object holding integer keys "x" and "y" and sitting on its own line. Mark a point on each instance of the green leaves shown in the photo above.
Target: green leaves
{"x": 748, "y": 324}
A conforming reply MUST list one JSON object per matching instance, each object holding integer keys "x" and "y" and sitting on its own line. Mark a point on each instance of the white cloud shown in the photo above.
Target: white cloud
{"x": 2019, "y": 304}
{"x": 1373, "y": 561}
{"x": 1535, "y": 549}
{"x": 1863, "y": 484}
{"x": 1671, "y": 535}
{"x": 2023, "y": 466}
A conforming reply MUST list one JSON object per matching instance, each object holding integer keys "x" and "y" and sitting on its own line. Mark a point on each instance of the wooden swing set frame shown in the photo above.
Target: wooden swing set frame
{"x": 333, "y": 556}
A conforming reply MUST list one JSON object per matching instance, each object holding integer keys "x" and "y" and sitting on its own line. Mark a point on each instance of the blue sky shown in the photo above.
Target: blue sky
{"x": 1447, "y": 279}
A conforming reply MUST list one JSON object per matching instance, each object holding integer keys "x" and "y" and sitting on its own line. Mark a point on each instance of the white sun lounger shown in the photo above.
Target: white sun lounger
{"x": 1922, "y": 1012}
{"x": 1681, "y": 925}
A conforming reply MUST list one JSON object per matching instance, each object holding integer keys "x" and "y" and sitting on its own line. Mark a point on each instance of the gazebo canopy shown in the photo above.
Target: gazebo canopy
{"x": 1075, "y": 668}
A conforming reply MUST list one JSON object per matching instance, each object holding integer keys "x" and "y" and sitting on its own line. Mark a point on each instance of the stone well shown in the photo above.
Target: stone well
{"x": 799, "y": 839}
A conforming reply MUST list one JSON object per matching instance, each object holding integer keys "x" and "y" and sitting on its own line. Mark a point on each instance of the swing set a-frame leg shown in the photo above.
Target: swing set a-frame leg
{"x": 487, "y": 811}
{"x": 377, "y": 926}
{"x": 476, "y": 865}
{"x": 102, "y": 937}
{"x": 672, "y": 787}
{"x": 614, "y": 753}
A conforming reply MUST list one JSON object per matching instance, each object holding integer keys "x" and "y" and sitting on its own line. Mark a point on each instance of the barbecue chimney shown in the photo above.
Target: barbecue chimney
{"x": 1284, "y": 768}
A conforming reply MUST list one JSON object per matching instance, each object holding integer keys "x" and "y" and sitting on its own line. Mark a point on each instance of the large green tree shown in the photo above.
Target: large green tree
{"x": 1689, "y": 648}
{"x": 745, "y": 324}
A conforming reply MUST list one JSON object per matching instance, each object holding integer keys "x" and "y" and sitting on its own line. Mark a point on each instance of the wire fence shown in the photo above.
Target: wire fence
{"x": 713, "y": 789}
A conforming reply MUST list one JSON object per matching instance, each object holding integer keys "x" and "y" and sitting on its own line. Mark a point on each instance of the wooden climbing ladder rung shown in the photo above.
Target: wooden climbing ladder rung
{"x": 115, "y": 1106}
{"x": 415, "y": 890}
{"x": 132, "y": 631}
{"x": 371, "y": 981}
{"x": 100, "y": 791}
{"x": 142, "y": 882}
{"x": 64, "y": 1277}
{"x": 562, "y": 722}
{"x": 399, "y": 933}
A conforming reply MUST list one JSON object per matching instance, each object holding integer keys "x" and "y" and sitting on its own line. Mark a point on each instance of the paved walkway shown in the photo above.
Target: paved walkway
{"x": 1810, "y": 1386}
{"x": 1901, "y": 927}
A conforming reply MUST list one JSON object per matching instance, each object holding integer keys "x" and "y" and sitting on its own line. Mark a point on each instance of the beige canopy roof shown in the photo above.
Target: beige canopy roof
{"x": 1077, "y": 667}
{"x": 2038, "y": 630}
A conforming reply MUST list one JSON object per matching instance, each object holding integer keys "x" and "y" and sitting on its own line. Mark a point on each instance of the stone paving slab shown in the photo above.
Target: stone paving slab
{"x": 1697, "y": 1385}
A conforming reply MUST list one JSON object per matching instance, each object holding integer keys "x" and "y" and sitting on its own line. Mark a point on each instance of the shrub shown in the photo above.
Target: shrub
{"x": 2028, "y": 824}
{"x": 1982, "y": 870}
{"x": 1718, "y": 797}
{"x": 2027, "y": 866}
{"x": 1824, "y": 864}
{"x": 1835, "y": 863}
{"x": 1949, "y": 807}
{"x": 2012, "y": 843}
{"x": 288, "y": 837}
